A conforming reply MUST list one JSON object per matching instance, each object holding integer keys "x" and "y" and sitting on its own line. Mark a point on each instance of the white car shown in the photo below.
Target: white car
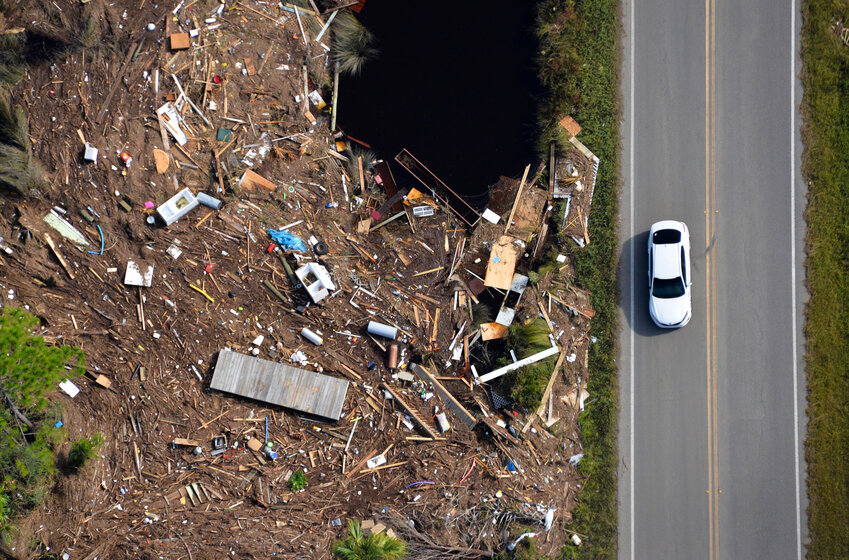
{"x": 669, "y": 274}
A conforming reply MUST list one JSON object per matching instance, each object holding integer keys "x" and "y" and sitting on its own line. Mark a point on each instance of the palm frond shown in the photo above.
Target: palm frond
{"x": 12, "y": 62}
{"x": 352, "y": 44}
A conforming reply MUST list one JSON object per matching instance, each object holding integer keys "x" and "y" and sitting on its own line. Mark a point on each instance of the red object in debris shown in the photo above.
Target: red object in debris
{"x": 360, "y": 142}
{"x": 125, "y": 157}
{"x": 271, "y": 248}
{"x": 375, "y": 214}
{"x": 209, "y": 268}
{"x": 216, "y": 79}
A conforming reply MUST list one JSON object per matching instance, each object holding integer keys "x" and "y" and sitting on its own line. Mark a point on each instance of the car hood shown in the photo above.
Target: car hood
{"x": 670, "y": 311}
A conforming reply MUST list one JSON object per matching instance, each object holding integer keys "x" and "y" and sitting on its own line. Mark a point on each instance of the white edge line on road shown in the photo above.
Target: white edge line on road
{"x": 633, "y": 264}
{"x": 793, "y": 271}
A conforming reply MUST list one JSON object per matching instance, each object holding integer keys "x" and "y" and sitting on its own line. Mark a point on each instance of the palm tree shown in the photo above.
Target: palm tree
{"x": 357, "y": 546}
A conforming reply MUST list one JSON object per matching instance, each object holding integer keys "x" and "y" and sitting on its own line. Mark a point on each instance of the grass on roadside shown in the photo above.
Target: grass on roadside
{"x": 826, "y": 168}
{"x": 578, "y": 66}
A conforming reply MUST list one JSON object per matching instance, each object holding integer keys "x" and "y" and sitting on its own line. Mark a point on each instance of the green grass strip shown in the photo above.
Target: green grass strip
{"x": 578, "y": 66}
{"x": 826, "y": 167}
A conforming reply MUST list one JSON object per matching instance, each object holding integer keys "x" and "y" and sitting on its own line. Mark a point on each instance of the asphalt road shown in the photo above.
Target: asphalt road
{"x": 712, "y": 414}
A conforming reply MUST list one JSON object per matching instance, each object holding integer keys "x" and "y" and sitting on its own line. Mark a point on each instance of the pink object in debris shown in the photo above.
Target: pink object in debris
{"x": 149, "y": 204}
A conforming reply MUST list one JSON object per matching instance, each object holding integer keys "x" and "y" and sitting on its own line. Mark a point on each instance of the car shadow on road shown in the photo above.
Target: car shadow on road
{"x": 636, "y": 313}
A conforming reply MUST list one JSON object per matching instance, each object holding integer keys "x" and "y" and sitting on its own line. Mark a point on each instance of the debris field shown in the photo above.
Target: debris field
{"x": 221, "y": 217}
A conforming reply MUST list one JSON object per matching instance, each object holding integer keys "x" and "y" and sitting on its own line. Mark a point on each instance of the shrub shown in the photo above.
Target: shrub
{"x": 83, "y": 449}
{"x": 826, "y": 169}
{"x": 526, "y": 385}
{"x": 297, "y": 481}
{"x": 28, "y": 370}
{"x": 358, "y": 546}
{"x": 578, "y": 67}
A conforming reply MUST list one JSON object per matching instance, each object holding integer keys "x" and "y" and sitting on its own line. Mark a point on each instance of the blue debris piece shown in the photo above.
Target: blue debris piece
{"x": 287, "y": 240}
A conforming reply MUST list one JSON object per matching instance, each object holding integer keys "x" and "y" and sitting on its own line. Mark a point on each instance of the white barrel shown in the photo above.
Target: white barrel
{"x": 207, "y": 200}
{"x": 311, "y": 336}
{"x": 379, "y": 329}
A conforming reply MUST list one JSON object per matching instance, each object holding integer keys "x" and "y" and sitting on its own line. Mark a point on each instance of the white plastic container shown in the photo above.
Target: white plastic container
{"x": 379, "y": 329}
{"x": 312, "y": 337}
{"x": 177, "y": 206}
{"x": 208, "y": 201}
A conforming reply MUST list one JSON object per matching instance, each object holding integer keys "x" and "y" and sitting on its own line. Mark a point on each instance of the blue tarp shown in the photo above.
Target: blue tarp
{"x": 287, "y": 240}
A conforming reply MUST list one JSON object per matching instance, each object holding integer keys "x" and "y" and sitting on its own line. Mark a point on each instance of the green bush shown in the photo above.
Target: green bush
{"x": 375, "y": 546}
{"x": 29, "y": 369}
{"x": 297, "y": 481}
{"x": 825, "y": 108}
{"x": 82, "y": 450}
{"x": 13, "y": 65}
{"x": 578, "y": 66}
{"x": 526, "y": 385}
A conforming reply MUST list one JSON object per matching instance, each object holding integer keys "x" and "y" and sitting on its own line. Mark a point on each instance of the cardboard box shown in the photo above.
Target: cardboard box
{"x": 180, "y": 41}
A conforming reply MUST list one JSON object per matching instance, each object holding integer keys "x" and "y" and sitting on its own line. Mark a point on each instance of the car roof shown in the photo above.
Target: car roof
{"x": 667, "y": 261}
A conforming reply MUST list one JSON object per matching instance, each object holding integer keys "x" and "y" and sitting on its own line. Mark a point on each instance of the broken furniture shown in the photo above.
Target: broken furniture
{"x": 177, "y": 206}
{"x": 316, "y": 281}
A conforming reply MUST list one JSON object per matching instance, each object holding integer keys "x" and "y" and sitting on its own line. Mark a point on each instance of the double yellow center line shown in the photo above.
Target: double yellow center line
{"x": 713, "y": 490}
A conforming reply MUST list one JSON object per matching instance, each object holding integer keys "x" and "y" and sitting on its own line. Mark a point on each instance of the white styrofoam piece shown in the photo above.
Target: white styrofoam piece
{"x": 69, "y": 388}
{"x": 171, "y": 119}
{"x": 490, "y": 216}
{"x": 136, "y": 277}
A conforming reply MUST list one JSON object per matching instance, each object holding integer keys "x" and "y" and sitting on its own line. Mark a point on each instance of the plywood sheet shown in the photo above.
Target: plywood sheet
{"x": 502, "y": 263}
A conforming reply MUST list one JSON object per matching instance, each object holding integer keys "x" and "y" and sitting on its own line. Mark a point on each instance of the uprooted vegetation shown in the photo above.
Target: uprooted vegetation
{"x": 20, "y": 172}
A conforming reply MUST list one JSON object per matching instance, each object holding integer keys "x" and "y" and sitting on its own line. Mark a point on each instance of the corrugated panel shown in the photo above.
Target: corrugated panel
{"x": 279, "y": 384}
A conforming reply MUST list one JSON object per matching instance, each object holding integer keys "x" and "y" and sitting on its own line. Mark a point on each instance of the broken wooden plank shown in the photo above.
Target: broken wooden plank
{"x": 59, "y": 256}
{"x": 116, "y": 83}
{"x": 551, "y": 381}
{"x": 362, "y": 462}
{"x": 411, "y": 411}
{"x": 453, "y": 404}
{"x": 518, "y": 195}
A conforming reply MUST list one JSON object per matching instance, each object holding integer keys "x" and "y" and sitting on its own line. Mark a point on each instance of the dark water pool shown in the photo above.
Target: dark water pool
{"x": 455, "y": 83}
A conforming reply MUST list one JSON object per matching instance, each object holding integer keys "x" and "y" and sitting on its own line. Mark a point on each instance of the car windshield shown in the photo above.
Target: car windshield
{"x": 667, "y": 288}
{"x": 666, "y": 236}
